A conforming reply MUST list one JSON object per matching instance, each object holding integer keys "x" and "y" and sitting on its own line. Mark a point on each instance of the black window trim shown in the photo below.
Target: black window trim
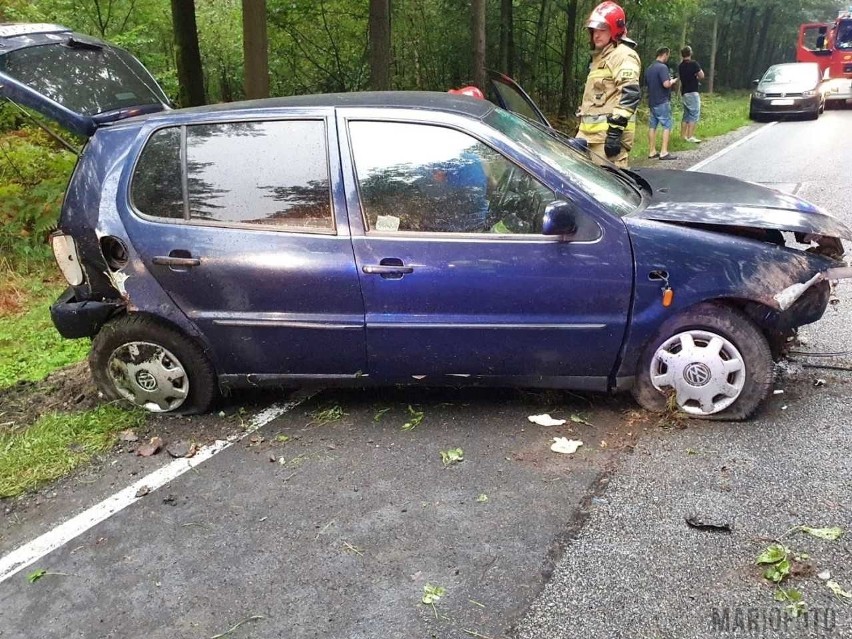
{"x": 189, "y": 221}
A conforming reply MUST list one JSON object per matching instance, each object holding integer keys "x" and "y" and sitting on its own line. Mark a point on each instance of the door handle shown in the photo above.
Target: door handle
{"x": 168, "y": 260}
{"x": 387, "y": 269}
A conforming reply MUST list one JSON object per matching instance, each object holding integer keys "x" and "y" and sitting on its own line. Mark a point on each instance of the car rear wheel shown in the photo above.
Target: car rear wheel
{"x": 152, "y": 366}
{"x": 711, "y": 362}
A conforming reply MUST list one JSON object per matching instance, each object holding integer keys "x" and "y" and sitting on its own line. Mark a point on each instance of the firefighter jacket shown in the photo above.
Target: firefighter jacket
{"x": 612, "y": 88}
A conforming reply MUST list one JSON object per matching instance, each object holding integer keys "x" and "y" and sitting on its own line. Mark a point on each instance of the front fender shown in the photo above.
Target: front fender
{"x": 704, "y": 266}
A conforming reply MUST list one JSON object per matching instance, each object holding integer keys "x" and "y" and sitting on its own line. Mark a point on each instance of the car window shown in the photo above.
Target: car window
{"x": 270, "y": 174}
{"x": 425, "y": 178}
{"x": 86, "y": 78}
{"x": 514, "y": 101}
{"x": 610, "y": 192}
{"x": 156, "y": 189}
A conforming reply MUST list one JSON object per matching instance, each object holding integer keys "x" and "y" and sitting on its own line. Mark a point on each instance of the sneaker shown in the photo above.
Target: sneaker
{"x": 693, "y": 139}
{"x": 668, "y": 156}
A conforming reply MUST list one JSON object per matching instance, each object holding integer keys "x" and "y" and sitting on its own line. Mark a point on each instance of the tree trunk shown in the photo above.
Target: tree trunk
{"x": 255, "y": 49}
{"x": 537, "y": 43}
{"x": 713, "y": 42}
{"x": 566, "y": 99}
{"x": 477, "y": 8}
{"x": 757, "y": 58}
{"x": 188, "y": 59}
{"x": 507, "y": 37}
{"x": 380, "y": 45}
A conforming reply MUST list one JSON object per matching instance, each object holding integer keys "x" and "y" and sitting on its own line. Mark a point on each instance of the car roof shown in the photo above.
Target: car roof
{"x": 426, "y": 100}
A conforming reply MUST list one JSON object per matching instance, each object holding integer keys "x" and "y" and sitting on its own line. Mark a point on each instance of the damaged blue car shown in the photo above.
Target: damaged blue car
{"x": 402, "y": 237}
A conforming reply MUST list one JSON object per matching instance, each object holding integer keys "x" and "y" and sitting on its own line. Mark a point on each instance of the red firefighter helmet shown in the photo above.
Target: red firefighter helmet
{"x": 609, "y": 14}
{"x": 470, "y": 90}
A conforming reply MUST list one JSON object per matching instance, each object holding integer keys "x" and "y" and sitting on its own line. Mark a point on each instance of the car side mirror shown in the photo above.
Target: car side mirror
{"x": 560, "y": 218}
{"x": 754, "y": 83}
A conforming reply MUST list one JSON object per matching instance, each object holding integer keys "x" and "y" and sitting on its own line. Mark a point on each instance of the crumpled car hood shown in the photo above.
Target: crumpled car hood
{"x": 714, "y": 200}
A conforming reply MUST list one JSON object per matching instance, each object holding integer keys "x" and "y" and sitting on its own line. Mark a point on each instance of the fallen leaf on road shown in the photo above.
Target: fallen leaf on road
{"x": 151, "y": 448}
{"x": 431, "y": 593}
{"x": 454, "y": 455}
{"x": 837, "y": 590}
{"x": 128, "y": 436}
{"x": 579, "y": 420}
{"x": 35, "y": 575}
{"x": 565, "y": 446}
{"x": 823, "y": 533}
{"x": 545, "y": 420}
{"x": 482, "y": 498}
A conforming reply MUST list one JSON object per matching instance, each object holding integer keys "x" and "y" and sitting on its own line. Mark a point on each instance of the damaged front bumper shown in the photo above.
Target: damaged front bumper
{"x": 790, "y": 295}
{"x": 74, "y": 319}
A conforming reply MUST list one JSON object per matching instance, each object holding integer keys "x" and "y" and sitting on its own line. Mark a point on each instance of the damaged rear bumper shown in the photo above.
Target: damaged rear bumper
{"x": 74, "y": 319}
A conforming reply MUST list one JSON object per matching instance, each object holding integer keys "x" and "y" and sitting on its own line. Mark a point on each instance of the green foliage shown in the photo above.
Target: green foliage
{"x": 30, "y": 347}
{"x": 56, "y": 444}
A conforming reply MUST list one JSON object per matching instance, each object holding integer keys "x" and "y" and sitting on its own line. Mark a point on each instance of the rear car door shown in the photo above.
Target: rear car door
{"x": 456, "y": 275}
{"x": 243, "y": 225}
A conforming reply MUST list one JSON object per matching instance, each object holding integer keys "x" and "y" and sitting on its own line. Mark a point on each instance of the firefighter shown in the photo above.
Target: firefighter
{"x": 608, "y": 111}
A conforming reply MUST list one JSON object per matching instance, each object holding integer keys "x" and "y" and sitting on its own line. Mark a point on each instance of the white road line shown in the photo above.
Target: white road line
{"x": 31, "y": 552}
{"x": 718, "y": 154}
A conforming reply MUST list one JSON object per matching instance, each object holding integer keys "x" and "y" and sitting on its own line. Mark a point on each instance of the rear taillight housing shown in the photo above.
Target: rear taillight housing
{"x": 65, "y": 252}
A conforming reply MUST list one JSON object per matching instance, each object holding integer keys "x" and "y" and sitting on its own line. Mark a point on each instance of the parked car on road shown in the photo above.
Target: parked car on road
{"x": 791, "y": 89}
{"x": 424, "y": 238}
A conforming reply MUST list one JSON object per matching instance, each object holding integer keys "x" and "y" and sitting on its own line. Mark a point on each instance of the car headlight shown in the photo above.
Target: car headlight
{"x": 808, "y": 94}
{"x": 759, "y": 95}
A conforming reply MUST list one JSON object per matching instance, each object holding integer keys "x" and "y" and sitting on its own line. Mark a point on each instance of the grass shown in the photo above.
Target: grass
{"x": 57, "y": 444}
{"x": 30, "y": 346}
{"x": 720, "y": 114}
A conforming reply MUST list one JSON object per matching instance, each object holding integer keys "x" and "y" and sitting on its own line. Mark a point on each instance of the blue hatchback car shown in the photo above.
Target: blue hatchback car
{"x": 402, "y": 237}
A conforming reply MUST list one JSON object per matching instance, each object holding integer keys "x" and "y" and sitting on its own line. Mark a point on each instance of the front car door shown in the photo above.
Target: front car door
{"x": 457, "y": 278}
{"x": 243, "y": 225}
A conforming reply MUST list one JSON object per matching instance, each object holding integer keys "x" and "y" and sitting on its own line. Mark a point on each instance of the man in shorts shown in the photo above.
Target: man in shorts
{"x": 690, "y": 74}
{"x": 660, "y": 84}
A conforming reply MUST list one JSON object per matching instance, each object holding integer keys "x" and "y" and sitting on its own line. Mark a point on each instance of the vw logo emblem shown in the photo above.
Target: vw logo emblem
{"x": 783, "y": 95}
{"x": 697, "y": 374}
{"x": 146, "y": 381}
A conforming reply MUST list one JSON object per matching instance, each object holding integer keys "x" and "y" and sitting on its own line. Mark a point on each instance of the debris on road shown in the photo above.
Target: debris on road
{"x": 170, "y": 500}
{"x": 35, "y": 575}
{"x": 482, "y": 498}
{"x": 778, "y": 391}
{"x": 700, "y": 522}
{"x": 128, "y": 436}
{"x": 151, "y": 448}
{"x": 452, "y": 456}
{"x": 565, "y": 446}
{"x": 143, "y": 490}
{"x": 182, "y": 449}
{"x": 825, "y": 575}
{"x": 323, "y": 416}
{"x": 819, "y": 382}
{"x": 545, "y": 420}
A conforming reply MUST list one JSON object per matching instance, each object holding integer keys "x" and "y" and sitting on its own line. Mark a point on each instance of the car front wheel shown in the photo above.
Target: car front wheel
{"x": 152, "y": 366}
{"x": 711, "y": 361}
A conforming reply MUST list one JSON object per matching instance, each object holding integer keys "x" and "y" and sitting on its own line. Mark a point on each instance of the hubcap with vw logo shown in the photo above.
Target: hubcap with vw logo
{"x": 705, "y": 371}
{"x": 148, "y": 375}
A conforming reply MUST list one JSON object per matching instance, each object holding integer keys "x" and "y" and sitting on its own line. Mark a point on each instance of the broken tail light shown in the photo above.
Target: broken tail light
{"x": 65, "y": 252}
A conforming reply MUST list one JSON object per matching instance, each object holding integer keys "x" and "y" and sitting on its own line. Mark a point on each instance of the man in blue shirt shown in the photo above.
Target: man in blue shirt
{"x": 660, "y": 83}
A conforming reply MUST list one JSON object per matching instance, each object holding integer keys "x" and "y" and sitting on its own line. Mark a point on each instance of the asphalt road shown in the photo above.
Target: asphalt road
{"x": 336, "y": 531}
{"x": 636, "y": 569}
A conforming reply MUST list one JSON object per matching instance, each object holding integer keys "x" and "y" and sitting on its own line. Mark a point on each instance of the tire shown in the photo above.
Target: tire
{"x": 708, "y": 385}
{"x": 153, "y": 366}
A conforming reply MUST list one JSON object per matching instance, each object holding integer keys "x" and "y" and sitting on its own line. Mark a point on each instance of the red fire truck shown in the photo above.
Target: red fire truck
{"x": 830, "y": 45}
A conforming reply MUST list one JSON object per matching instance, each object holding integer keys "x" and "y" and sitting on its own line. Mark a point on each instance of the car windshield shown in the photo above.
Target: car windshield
{"x": 790, "y": 74}
{"x": 615, "y": 195}
{"x": 844, "y": 35}
{"x": 84, "y": 77}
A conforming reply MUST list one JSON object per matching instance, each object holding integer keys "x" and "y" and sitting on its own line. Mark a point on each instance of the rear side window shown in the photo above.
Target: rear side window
{"x": 268, "y": 174}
